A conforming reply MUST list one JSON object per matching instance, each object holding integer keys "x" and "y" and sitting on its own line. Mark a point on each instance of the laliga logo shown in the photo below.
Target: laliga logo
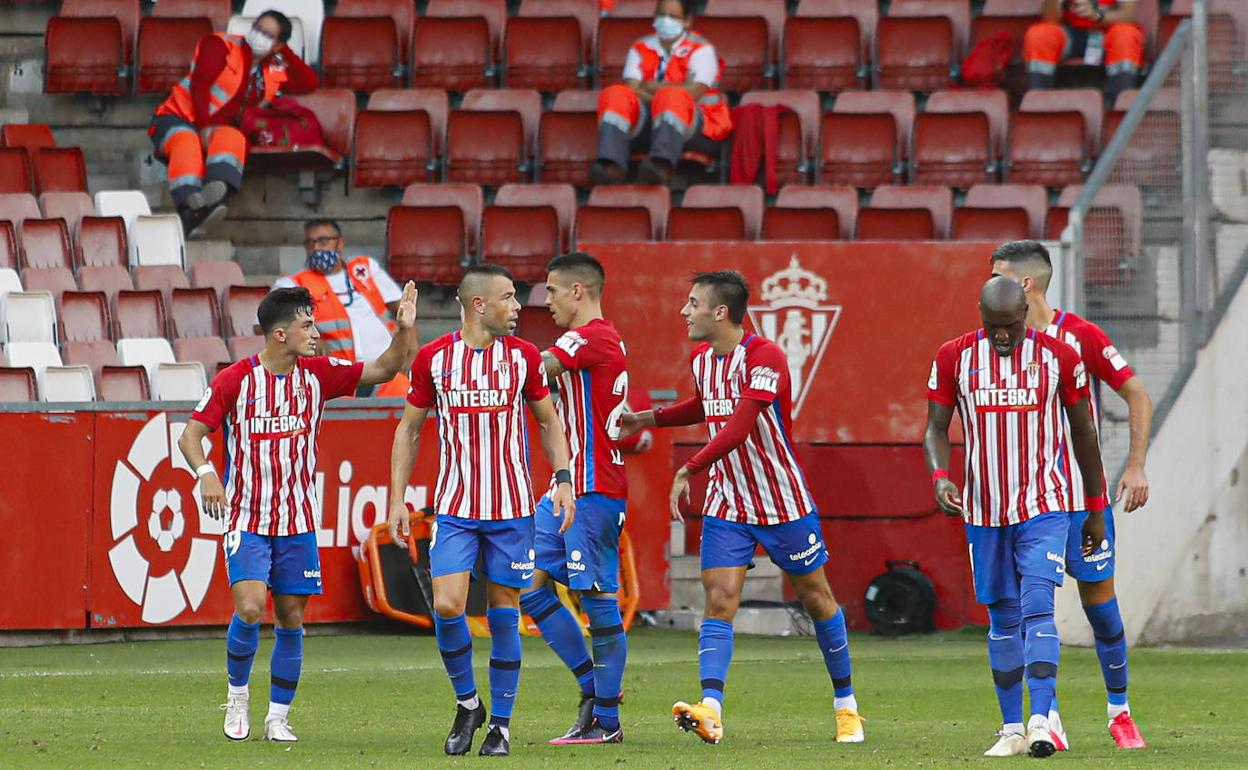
{"x": 153, "y": 494}
{"x": 796, "y": 318}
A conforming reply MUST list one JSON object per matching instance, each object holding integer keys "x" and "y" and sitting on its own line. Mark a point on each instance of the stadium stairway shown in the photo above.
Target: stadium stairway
{"x": 761, "y": 612}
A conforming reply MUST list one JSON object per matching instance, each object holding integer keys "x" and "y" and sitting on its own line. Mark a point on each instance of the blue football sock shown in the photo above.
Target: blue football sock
{"x": 504, "y": 662}
{"x": 610, "y": 653}
{"x": 1041, "y": 645}
{"x": 455, "y": 645}
{"x": 714, "y": 656}
{"x": 286, "y": 664}
{"x": 1005, "y": 657}
{"x": 1111, "y": 648}
{"x": 562, "y": 633}
{"x": 241, "y": 641}
{"x": 834, "y": 644}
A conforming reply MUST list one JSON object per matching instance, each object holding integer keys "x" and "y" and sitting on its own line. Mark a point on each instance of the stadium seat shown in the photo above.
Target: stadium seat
{"x": 856, "y": 149}
{"x": 487, "y": 146}
{"x": 1014, "y": 19}
{"x": 467, "y": 197}
{"x": 840, "y": 198}
{"x": 895, "y": 225}
{"x": 85, "y": 55}
{"x": 347, "y": 63}
{"x": 17, "y": 384}
{"x": 158, "y": 240}
{"x": 1112, "y": 231}
{"x": 240, "y": 24}
{"x": 95, "y": 354}
{"x": 101, "y": 242}
{"x": 607, "y": 224}
{"x": 9, "y": 281}
{"x": 800, "y": 224}
{"x": 64, "y": 384}
{"x": 742, "y": 43}
{"x": 544, "y": 53}
{"x": 59, "y": 169}
{"x": 70, "y": 206}
{"x": 245, "y": 345}
{"x": 1088, "y": 102}
{"x": 586, "y": 13}
{"x": 194, "y": 312}
{"x": 1152, "y": 155}
{"x": 216, "y": 274}
{"x": 426, "y": 243}
{"x": 36, "y": 355}
{"x": 31, "y": 136}
{"x": 241, "y": 303}
{"x": 209, "y": 352}
{"x": 527, "y": 103}
{"x": 990, "y": 224}
{"x": 217, "y": 12}
{"x": 84, "y": 317}
{"x": 55, "y": 280}
{"x": 630, "y": 9}
{"x": 616, "y": 36}
{"x": 937, "y": 200}
{"x": 15, "y": 173}
{"x": 994, "y": 104}
{"x": 16, "y": 207}
{"x": 29, "y": 316}
{"x": 310, "y": 12}
{"x": 1055, "y": 222}
{"x": 493, "y": 12}
{"x": 723, "y": 223}
{"x": 402, "y": 13}
{"x": 560, "y": 197}
{"x": 180, "y": 381}
{"x": 1046, "y": 148}
{"x": 772, "y": 12}
{"x": 8, "y": 246}
{"x": 576, "y": 100}
{"x": 393, "y": 148}
{"x": 958, "y": 12}
{"x": 747, "y": 197}
{"x": 1227, "y": 38}
{"x": 452, "y": 53}
{"x": 952, "y": 148}
{"x": 1031, "y": 198}
{"x": 109, "y": 279}
{"x": 127, "y": 204}
{"x": 161, "y": 278}
{"x": 914, "y": 54}
{"x": 166, "y": 49}
{"x": 654, "y": 198}
{"x": 521, "y": 238}
{"x": 335, "y": 110}
{"x": 798, "y": 131}
{"x": 123, "y": 383}
{"x": 431, "y": 101}
{"x": 567, "y": 143}
{"x": 139, "y": 314}
{"x": 148, "y": 353}
{"x": 824, "y": 54}
{"x": 45, "y": 243}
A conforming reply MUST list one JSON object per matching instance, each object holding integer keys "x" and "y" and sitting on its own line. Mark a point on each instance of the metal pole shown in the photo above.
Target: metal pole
{"x": 1190, "y": 254}
{"x": 1206, "y": 276}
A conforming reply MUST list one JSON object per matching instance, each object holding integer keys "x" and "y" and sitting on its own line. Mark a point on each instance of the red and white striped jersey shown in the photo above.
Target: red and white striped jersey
{"x": 483, "y": 447}
{"x": 271, "y": 426}
{"x": 1012, "y": 411}
{"x": 1104, "y": 364}
{"x": 759, "y": 482}
{"x": 593, "y": 391}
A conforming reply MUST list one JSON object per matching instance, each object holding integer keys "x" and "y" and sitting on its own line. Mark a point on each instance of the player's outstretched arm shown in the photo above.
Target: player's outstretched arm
{"x": 211, "y": 491}
{"x": 1133, "y": 486}
{"x": 402, "y": 457}
{"x": 1088, "y": 455}
{"x": 687, "y": 412}
{"x": 398, "y": 357}
{"x": 555, "y": 445}
{"x": 936, "y": 449}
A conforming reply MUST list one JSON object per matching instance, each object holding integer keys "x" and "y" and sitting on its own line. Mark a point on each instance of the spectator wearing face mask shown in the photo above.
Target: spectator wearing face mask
{"x": 196, "y": 128}
{"x": 667, "y": 103}
{"x": 356, "y": 301}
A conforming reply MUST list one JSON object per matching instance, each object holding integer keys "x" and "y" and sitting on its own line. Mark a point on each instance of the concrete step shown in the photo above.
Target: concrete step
{"x": 691, "y": 567}
{"x": 764, "y": 583}
{"x": 760, "y": 621}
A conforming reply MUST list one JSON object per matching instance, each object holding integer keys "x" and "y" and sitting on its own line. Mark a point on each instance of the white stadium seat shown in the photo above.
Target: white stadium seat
{"x": 158, "y": 240}
{"x": 67, "y": 383}
{"x": 147, "y": 352}
{"x": 37, "y": 355}
{"x": 127, "y": 204}
{"x": 180, "y": 382}
{"x": 9, "y": 281}
{"x": 29, "y": 316}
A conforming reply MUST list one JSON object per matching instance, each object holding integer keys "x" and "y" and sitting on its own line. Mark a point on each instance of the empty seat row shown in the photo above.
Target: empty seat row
{"x": 42, "y": 170}
{"x": 37, "y": 373}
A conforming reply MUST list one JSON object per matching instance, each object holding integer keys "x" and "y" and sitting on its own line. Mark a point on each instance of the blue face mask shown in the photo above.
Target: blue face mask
{"x": 323, "y": 260}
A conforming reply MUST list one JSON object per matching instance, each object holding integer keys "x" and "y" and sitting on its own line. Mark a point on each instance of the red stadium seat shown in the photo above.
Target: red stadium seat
{"x": 1228, "y": 20}
{"x": 914, "y": 54}
{"x": 990, "y": 224}
{"x": 101, "y": 242}
{"x": 860, "y": 150}
{"x": 245, "y": 345}
{"x": 899, "y": 104}
{"x": 801, "y": 224}
{"x": 521, "y": 238}
{"x": 560, "y": 197}
{"x": 90, "y": 45}
{"x": 16, "y": 207}
{"x": 1126, "y": 199}
{"x": 15, "y": 172}
{"x": 55, "y": 280}
{"x": 895, "y": 225}
{"x": 194, "y": 312}
{"x": 241, "y": 303}
{"x": 1088, "y": 102}
{"x": 486, "y": 147}
{"x": 161, "y": 278}
{"x": 139, "y": 314}
{"x": 126, "y": 12}
{"x": 346, "y": 63}
{"x": 166, "y": 48}
{"x": 1046, "y": 148}
{"x": 70, "y": 206}
{"x": 958, "y": 12}
{"x": 654, "y": 198}
{"x": 823, "y": 54}
{"x": 84, "y": 317}
{"x": 217, "y": 275}
{"x": 45, "y": 243}
{"x": 335, "y": 110}
{"x": 567, "y": 142}
{"x": 630, "y": 9}
{"x": 1152, "y": 154}
{"x": 493, "y": 12}
{"x": 1009, "y": 7}
{"x": 543, "y": 53}
{"x": 209, "y": 351}
{"x": 59, "y": 169}
{"x": 217, "y": 12}
{"x": 17, "y": 384}
{"x": 576, "y": 100}
{"x": 937, "y": 200}
{"x": 725, "y": 223}
{"x": 401, "y": 13}
{"x": 8, "y": 246}
{"x": 393, "y": 148}
{"x": 742, "y": 46}
{"x": 110, "y": 279}
{"x": 866, "y": 14}
{"x": 452, "y": 53}
{"x": 432, "y": 101}
{"x": 772, "y": 12}
{"x": 467, "y": 197}
{"x": 426, "y": 243}
{"x": 840, "y": 198}
{"x": 616, "y": 36}
{"x": 607, "y": 224}
{"x": 586, "y": 13}
{"x": 96, "y": 354}
{"x": 123, "y": 383}
{"x": 798, "y": 130}
{"x": 31, "y": 136}
{"x": 747, "y": 197}
{"x": 1033, "y": 199}
{"x": 994, "y": 104}
{"x": 953, "y": 148}
{"x": 523, "y": 101}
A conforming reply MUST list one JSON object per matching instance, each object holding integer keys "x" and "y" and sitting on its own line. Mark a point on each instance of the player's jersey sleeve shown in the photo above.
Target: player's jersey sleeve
{"x": 535, "y": 385}
{"x": 220, "y": 397}
{"x": 338, "y": 377}
{"x": 942, "y": 385}
{"x": 1103, "y": 360}
{"x": 578, "y": 350}
{"x": 1072, "y": 384}
{"x": 766, "y": 367}
{"x": 423, "y": 394}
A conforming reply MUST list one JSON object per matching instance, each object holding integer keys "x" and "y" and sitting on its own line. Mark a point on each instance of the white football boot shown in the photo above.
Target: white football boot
{"x": 1009, "y": 744}
{"x": 237, "y": 716}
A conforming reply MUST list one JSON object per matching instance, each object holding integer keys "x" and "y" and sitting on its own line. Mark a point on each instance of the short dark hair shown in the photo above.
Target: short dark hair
{"x": 1022, "y": 251}
{"x": 686, "y": 7}
{"x": 280, "y": 306}
{"x": 475, "y": 274}
{"x": 312, "y": 224}
{"x": 584, "y": 267}
{"x": 283, "y": 21}
{"x": 729, "y": 288}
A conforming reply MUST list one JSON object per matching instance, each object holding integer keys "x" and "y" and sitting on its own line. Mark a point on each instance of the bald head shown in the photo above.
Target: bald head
{"x": 1003, "y": 295}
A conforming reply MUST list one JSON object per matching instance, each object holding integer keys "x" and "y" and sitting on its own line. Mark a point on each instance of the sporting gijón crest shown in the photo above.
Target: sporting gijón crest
{"x": 797, "y": 318}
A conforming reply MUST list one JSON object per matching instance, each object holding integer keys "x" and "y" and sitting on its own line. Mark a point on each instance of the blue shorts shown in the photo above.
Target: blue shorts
{"x": 587, "y": 556}
{"x": 455, "y": 544}
{"x": 288, "y": 564}
{"x": 1000, "y": 556}
{"x": 1100, "y": 565}
{"x": 796, "y": 546}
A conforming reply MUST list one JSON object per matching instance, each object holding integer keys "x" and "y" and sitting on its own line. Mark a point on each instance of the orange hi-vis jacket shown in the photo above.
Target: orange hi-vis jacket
{"x": 232, "y": 79}
{"x": 716, "y": 118}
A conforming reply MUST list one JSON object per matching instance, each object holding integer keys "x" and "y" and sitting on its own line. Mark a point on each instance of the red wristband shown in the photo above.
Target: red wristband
{"x": 938, "y": 474}
{"x": 1098, "y": 503}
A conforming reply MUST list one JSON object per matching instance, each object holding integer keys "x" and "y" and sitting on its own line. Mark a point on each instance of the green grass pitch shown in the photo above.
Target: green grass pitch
{"x": 376, "y": 700}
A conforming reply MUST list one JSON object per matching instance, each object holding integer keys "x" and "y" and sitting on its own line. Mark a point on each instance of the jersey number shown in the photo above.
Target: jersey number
{"x": 619, "y": 388}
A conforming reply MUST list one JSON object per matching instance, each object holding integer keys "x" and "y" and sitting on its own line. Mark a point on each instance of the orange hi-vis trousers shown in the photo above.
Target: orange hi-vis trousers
{"x": 1047, "y": 43}
{"x": 189, "y": 165}
{"x": 623, "y": 120}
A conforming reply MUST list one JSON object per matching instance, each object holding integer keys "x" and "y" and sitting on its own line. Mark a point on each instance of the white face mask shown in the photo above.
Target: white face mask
{"x": 259, "y": 42}
{"x": 668, "y": 27}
